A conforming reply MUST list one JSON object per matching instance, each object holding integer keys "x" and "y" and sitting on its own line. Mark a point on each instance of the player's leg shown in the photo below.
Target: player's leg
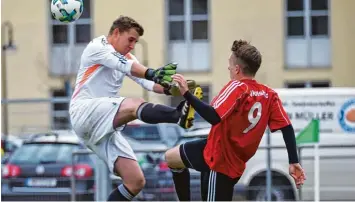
{"x": 182, "y": 157}
{"x": 204, "y": 177}
{"x": 92, "y": 122}
{"x": 133, "y": 108}
{"x": 219, "y": 187}
{"x": 180, "y": 173}
{"x": 132, "y": 177}
{"x": 121, "y": 161}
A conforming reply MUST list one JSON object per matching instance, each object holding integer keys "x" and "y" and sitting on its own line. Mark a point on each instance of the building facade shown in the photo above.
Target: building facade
{"x": 304, "y": 43}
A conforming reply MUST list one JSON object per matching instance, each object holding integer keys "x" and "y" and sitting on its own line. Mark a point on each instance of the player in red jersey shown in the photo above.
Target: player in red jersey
{"x": 239, "y": 115}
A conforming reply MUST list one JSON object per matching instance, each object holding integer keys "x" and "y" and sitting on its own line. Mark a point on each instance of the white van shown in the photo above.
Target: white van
{"x": 334, "y": 108}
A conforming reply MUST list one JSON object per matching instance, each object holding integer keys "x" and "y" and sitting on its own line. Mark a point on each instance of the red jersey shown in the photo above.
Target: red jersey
{"x": 246, "y": 108}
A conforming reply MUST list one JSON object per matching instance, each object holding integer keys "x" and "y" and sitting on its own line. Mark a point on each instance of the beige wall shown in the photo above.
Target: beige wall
{"x": 27, "y": 66}
{"x": 260, "y": 22}
{"x": 343, "y": 41}
{"x": 342, "y": 71}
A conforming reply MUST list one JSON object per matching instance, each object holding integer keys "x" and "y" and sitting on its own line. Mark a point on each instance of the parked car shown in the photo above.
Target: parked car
{"x": 41, "y": 168}
{"x": 162, "y": 133}
{"x": 8, "y": 145}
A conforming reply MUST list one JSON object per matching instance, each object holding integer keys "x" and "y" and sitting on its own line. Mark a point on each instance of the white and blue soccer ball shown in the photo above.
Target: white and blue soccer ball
{"x": 67, "y": 10}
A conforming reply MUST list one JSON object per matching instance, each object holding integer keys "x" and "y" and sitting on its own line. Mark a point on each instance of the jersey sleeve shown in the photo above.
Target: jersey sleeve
{"x": 105, "y": 54}
{"x": 278, "y": 116}
{"x": 226, "y": 100}
{"x": 146, "y": 84}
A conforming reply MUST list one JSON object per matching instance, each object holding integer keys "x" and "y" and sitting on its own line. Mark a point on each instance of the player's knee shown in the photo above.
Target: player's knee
{"x": 130, "y": 105}
{"x": 138, "y": 101}
{"x": 166, "y": 156}
{"x": 140, "y": 183}
{"x": 135, "y": 184}
{"x": 170, "y": 157}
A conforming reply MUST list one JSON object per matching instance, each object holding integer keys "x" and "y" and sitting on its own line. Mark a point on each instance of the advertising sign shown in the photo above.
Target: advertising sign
{"x": 336, "y": 113}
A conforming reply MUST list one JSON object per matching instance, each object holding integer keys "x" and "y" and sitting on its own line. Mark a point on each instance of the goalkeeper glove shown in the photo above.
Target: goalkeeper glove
{"x": 162, "y": 75}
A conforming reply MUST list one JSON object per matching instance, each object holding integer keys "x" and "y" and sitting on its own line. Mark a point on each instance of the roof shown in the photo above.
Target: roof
{"x": 315, "y": 91}
{"x": 14, "y": 139}
{"x": 61, "y": 136}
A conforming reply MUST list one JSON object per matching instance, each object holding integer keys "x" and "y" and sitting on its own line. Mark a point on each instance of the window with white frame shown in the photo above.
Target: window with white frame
{"x": 68, "y": 40}
{"x": 188, "y": 34}
{"x": 307, "y": 34}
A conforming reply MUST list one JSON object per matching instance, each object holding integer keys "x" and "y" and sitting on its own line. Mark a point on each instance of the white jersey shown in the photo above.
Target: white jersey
{"x": 102, "y": 71}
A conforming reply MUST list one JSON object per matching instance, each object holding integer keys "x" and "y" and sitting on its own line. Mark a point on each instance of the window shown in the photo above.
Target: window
{"x": 175, "y": 101}
{"x": 307, "y": 31}
{"x": 68, "y": 40}
{"x": 296, "y": 85}
{"x": 62, "y": 32}
{"x": 34, "y": 153}
{"x": 60, "y": 111}
{"x": 142, "y": 132}
{"x": 308, "y": 84}
{"x": 188, "y": 34}
{"x": 320, "y": 84}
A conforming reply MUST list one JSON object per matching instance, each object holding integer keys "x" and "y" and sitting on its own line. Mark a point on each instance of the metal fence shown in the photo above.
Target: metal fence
{"x": 269, "y": 181}
{"x": 21, "y": 116}
{"x": 160, "y": 185}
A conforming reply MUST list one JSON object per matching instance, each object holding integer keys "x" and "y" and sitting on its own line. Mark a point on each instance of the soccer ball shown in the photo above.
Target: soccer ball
{"x": 67, "y": 10}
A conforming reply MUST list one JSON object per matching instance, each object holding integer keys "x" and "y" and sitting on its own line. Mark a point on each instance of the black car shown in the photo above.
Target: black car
{"x": 41, "y": 169}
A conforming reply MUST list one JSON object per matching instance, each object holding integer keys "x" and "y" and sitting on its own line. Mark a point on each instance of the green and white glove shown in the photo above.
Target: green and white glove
{"x": 162, "y": 75}
{"x": 174, "y": 90}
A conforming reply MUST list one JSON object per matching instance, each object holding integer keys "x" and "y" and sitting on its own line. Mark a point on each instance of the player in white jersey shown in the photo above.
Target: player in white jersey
{"x": 98, "y": 112}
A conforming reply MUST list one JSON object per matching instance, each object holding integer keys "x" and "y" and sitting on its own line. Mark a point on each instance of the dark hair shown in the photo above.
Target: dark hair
{"x": 125, "y": 23}
{"x": 247, "y": 56}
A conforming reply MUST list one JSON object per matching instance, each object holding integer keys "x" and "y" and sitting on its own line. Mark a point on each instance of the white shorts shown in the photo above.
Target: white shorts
{"x": 110, "y": 147}
{"x": 92, "y": 121}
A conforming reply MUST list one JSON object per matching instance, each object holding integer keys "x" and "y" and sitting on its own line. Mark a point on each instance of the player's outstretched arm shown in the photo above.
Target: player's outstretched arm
{"x": 160, "y": 76}
{"x": 290, "y": 141}
{"x": 148, "y": 85}
{"x": 171, "y": 90}
{"x": 105, "y": 55}
{"x": 138, "y": 70}
{"x": 295, "y": 169}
